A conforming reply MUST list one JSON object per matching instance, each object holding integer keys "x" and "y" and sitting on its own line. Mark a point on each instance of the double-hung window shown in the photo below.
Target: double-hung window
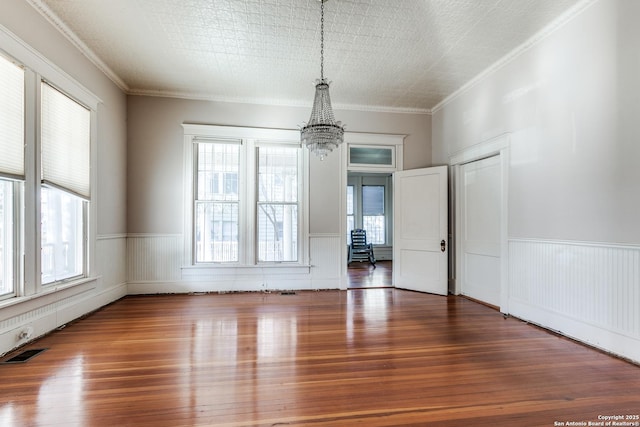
{"x": 373, "y": 213}
{"x": 47, "y": 126}
{"x": 66, "y": 142}
{"x": 277, "y": 203}
{"x": 351, "y": 212}
{"x": 217, "y": 203}
{"x": 248, "y": 205}
{"x": 11, "y": 171}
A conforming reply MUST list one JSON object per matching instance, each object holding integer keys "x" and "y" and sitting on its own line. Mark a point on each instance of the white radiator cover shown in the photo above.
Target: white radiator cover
{"x": 587, "y": 291}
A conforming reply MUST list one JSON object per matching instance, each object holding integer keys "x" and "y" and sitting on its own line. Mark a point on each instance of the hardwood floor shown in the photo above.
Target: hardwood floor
{"x": 362, "y": 275}
{"x": 373, "y": 357}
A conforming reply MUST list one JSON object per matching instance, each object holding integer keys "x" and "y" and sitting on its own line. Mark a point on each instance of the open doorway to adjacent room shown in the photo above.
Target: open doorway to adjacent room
{"x": 370, "y": 207}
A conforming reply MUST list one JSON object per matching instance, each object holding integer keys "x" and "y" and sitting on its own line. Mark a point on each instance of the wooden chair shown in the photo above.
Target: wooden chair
{"x": 360, "y": 250}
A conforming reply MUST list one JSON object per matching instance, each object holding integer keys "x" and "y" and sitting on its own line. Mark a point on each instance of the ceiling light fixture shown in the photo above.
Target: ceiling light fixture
{"x": 322, "y": 133}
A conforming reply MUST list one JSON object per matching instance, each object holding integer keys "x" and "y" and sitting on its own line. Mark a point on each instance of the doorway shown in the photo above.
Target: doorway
{"x": 370, "y": 207}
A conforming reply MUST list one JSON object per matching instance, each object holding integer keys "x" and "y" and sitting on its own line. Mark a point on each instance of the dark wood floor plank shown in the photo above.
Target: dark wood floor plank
{"x": 371, "y": 357}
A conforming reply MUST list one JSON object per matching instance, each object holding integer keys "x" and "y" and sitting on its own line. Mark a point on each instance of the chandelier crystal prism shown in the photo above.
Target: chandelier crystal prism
{"x": 322, "y": 133}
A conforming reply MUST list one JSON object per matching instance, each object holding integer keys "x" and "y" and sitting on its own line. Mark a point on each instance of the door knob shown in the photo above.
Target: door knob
{"x": 443, "y": 246}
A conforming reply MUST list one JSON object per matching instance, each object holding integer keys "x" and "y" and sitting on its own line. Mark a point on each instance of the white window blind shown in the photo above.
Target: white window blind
{"x": 11, "y": 119}
{"x": 66, "y": 137}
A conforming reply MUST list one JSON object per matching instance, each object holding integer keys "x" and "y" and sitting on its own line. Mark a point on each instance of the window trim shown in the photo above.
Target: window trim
{"x": 252, "y": 138}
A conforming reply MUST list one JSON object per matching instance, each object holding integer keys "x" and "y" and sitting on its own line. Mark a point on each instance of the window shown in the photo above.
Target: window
{"x": 47, "y": 128}
{"x": 278, "y": 204}
{"x": 217, "y": 202}
{"x": 373, "y": 218}
{"x": 375, "y": 157}
{"x": 66, "y": 142}
{"x": 351, "y": 219}
{"x": 248, "y": 206}
{"x": 62, "y": 238}
{"x": 7, "y": 230}
{"x": 11, "y": 170}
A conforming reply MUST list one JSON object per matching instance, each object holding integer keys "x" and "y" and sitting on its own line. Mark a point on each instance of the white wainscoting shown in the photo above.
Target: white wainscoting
{"x": 325, "y": 251}
{"x": 154, "y": 258}
{"x": 587, "y": 291}
{"x": 155, "y": 265}
{"x": 39, "y": 314}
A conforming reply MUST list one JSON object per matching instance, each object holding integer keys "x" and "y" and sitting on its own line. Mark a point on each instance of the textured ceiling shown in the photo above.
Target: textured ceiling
{"x": 393, "y": 55}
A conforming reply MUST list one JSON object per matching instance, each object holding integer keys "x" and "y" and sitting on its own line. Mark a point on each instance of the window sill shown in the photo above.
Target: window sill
{"x": 70, "y": 288}
{"x": 222, "y": 270}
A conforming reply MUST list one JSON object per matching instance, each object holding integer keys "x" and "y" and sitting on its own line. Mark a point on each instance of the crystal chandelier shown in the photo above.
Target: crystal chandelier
{"x": 322, "y": 133}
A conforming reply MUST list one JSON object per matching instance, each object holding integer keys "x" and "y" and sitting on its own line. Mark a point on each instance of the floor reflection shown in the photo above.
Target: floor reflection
{"x": 367, "y": 312}
{"x": 364, "y": 275}
{"x": 239, "y": 352}
{"x": 63, "y": 389}
{"x": 277, "y": 336}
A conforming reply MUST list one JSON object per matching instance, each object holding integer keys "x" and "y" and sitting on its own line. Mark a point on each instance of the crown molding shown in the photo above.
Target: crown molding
{"x": 273, "y": 102}
{"x": 50, "y": 16}
{"x": 531, "y": 42}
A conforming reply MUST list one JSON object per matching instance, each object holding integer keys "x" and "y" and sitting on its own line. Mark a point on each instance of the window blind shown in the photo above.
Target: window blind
{"x": 11, "y": 119}
{"x": 373, "y": 200}
{"x": 66, "y": 142}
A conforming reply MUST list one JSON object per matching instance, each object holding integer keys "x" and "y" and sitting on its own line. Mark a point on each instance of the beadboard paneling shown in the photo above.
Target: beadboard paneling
{"x": 324, "y": 251}
{"x": 587, "y": 291}
{"x": 154, "y": 258}
{"x": 154, "y": 265}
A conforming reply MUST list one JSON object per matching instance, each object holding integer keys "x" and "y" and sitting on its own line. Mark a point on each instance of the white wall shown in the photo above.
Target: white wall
{"x": 45, "y": 313}
{"x": 570, "y": 104}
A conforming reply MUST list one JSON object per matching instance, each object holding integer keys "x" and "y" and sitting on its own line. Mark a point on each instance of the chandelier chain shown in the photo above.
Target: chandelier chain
{"x": 322, "y": 39}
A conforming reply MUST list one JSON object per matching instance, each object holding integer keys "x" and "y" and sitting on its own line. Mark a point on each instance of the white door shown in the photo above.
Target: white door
{"x": 420, "y": 230}
{"x": 480, "y": 244}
